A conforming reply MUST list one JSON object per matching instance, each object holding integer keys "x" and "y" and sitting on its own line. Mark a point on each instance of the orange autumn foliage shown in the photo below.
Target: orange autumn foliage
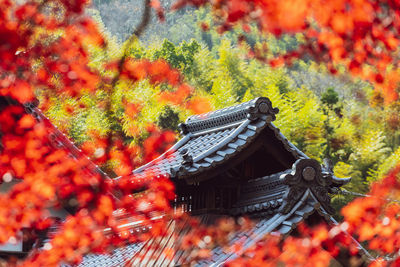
{"x": 361, "y": 35}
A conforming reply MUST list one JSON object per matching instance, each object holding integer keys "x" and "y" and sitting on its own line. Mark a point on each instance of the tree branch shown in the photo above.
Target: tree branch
{"x": 135, "y": 35}
{"x": 145, "y": 19}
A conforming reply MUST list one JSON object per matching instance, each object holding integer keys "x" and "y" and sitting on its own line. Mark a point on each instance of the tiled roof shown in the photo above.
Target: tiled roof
{"x": 274, "y": 206}
{"x": 157, "y": 252}
{"x": 282, "y": 224}
{"x": 211, "y": 139}
{"x": 115, "y": 259}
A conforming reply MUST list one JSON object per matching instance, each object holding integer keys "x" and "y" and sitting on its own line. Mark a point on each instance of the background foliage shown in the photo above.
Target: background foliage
{"x": 326, "y": 116}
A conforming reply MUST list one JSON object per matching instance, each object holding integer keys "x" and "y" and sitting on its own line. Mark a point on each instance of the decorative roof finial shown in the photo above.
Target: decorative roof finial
{"x": 307, "y": 174}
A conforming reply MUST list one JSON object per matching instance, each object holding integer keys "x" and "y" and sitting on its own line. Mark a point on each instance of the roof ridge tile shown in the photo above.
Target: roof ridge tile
{"x": 251, "y": 110}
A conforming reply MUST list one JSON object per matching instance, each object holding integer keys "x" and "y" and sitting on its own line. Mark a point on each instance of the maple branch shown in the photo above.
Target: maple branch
{"x": 145, "y": 20}
{"x": 135, "y": 35}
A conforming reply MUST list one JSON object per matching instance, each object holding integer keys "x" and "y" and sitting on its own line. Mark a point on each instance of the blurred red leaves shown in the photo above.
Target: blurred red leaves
{"x": 375, "y": 219}
{"x": 157, "y": 142}
{"x": 358, "y": 35}
{"x": 157, "y": 72}
{"x": 156, "y": 5}
{"x": 58, "y": 177}
{"x": 199, "y": 105}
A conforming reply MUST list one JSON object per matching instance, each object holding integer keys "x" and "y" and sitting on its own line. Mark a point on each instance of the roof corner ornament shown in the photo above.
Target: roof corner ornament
{"x": 262, "y": 106}
{"x": 309, "y": 174}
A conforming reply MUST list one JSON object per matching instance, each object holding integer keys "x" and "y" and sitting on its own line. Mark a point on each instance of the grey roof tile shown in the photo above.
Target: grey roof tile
{"x": 115, "y": 259}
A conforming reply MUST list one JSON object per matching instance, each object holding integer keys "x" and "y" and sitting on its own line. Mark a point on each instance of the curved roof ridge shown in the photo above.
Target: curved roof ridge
{"x": 251, "y": 110}
{"x": 172, "y": 149}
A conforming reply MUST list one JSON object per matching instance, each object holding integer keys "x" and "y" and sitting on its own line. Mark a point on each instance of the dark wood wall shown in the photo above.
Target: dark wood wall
{"x": 220, "y": 188}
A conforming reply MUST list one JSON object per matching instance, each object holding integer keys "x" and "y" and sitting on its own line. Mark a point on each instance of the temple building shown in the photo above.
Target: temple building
{"x": 233, "y": 162}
